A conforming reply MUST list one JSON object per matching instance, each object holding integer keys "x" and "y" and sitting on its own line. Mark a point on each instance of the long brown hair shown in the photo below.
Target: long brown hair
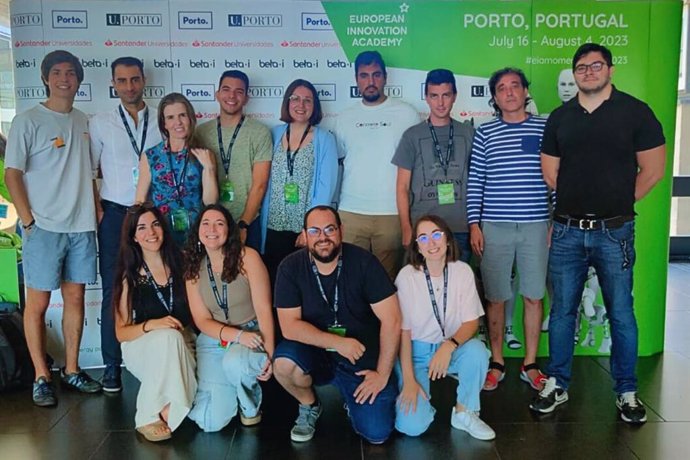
{"x": 412, "y": 254}
{"x": 131, "y": 259}
{"x": 177, "y": 98}
{"x": 195, "y": 251}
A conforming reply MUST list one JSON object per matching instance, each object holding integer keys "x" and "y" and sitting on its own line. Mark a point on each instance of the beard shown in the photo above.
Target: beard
{"x": 595, "y": 89}
{"x": 371, "y": 97}
{"x": 330, "y": 256}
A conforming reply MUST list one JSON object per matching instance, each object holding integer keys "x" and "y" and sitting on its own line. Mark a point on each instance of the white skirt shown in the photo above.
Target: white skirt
{"x": 164, "y": 364}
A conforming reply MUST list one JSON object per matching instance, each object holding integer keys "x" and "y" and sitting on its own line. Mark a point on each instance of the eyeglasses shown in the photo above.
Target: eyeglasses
{"x": 135, "y": 208}
{"x": 435, "y": 235}
{"x": 295, "y": 99}
{"x": 595, "y": 66}
{"x": 315, "y": 232}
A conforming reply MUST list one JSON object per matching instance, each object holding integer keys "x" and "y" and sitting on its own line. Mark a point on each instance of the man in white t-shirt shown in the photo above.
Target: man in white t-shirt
{"x": 118, "y": 139}
{"x": 49, "y": 173}
{"x": 368, "y": 134}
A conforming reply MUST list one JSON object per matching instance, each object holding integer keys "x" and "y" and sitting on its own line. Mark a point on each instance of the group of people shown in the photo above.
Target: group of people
{"x": 202, "y": 230}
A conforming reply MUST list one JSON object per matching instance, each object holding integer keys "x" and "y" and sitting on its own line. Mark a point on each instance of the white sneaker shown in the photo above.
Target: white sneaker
{"x": 469, "y": 421}
{"x": 511, "y": 340}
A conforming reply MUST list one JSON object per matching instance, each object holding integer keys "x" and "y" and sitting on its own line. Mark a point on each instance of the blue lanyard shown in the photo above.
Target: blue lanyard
{"x": 333, "y": 307}
{"x": 222, "y": 302}
{"x": 168, "y": 305}
{"x": 445, "y": 162}
{"x": 434, "y": 305}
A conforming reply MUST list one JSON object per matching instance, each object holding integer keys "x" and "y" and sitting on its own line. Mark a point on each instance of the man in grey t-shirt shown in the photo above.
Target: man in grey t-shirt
{"x": 49, "y": 173}
{"x": 432, "y": 166}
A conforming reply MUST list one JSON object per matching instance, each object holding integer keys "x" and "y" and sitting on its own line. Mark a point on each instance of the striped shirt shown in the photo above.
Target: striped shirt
{"x": 505, "y": 180}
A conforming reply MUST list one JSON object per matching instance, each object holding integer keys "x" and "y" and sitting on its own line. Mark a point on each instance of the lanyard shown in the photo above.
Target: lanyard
{"x": 333, "y": 307}
{"x": 137, "y": 150}
{"x": 178, "y": 183}
{"x": 221, "y": 149}
{"x": 222, "y": 303}
{"x": 434, "y": 305}
{"x": 168, "y": 305}
{"x": 291, "y": 159}
{"x": 445, "y": 162}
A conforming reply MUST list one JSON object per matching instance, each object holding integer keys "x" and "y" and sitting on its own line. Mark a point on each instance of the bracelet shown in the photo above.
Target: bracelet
{"x": 452, "y": 339}
{"x": 143, "y": 327}
{"x": 237, "y": 337}
{"x": 29, "y": 225}
{"x": 220, "y": 333}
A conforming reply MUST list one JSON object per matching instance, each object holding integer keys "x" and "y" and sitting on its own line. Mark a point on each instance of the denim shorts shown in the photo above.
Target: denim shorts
{"x": 51, "y": 258}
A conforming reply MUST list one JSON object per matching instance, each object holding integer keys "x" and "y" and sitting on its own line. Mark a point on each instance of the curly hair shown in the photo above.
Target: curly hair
{"x": 412, "y": 254}
{"x": 131, "y": 259}
{"x": 194, "y": 251}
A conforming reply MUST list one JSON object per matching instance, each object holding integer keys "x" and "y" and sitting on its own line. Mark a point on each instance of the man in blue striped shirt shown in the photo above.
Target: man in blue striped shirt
{"x": 507, "y": 207}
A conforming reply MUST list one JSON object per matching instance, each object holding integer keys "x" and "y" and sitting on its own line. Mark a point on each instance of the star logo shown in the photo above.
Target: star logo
{"x": 404, "y": 7}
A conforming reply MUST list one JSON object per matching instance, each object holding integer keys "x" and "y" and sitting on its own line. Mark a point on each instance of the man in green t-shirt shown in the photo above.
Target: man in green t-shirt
{"x": 243, "y": 149}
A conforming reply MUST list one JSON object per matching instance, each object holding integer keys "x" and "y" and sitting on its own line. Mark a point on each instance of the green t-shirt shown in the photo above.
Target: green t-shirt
{"x": 253, "y": 144}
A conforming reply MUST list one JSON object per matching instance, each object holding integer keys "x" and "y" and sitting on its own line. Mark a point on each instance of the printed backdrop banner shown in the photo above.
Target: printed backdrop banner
{"x": 186, "y": 45}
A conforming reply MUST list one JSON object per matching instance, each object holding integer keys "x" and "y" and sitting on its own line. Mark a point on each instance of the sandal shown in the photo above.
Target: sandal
{"x": 491, "y": 382}
{"x": 155, "y": 432}
{"x": 538, "y": 382}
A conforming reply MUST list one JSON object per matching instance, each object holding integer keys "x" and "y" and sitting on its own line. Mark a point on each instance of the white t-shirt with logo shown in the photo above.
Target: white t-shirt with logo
{"x": 367, "y": 137}
{"x": 415, "y": 303}
{"x": 52, "y": 150}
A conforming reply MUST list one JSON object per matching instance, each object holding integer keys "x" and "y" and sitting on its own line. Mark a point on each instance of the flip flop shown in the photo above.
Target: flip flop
{"x": 155, "y": 431}
{"x": 491, "y": 382}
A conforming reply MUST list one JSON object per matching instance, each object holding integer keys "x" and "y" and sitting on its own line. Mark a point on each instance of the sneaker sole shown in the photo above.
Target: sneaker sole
{"x": 475, "y": 436}
{"x": 112, "y": 389}
{"x": 250, "y": 421}
{"x": 548, "y": 410}
{"x": 301, "y": 438}
{"x": 629, "y": 420}
{"x": 43, "y": 404}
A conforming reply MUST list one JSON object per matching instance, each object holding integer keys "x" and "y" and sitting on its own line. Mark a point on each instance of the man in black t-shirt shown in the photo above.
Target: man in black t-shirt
{"x": 340, "y": 317}
{"x": 602, "y": 151}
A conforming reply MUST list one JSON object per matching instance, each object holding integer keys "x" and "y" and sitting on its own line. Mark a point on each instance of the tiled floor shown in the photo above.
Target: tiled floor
{"x": 587, "y": 427}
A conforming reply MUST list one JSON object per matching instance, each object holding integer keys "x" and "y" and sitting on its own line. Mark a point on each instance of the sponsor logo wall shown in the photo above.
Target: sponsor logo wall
{"x": 186, "y": 45}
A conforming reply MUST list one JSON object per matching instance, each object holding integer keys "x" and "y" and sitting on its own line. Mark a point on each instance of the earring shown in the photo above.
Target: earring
{"x": 198, "y": 247}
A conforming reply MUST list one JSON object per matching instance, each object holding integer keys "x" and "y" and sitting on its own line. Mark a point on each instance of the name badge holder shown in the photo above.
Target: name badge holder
{"x": 432, "y": 297}
{"x": 137, "y": 150}
{"x": 221, "y": 301}
{"x": 445, "y": 192}
{"x": 335, "y": 327}
{"x": 291, "y": 189}
{"x": 227, "y": 188}
{"x": 179, "y": 218}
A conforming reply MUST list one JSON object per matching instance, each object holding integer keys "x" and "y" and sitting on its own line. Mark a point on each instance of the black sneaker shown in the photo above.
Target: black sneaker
{"x": 80, "y": 381}
{"x": 44, "y": 393}
{"x": 112, "y": 380}
{"x": 549, "y": 398}
{"x": 631, "y": 409}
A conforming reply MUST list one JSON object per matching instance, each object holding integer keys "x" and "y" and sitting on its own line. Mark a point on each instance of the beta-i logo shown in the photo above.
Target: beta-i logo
{"x": 26, "y": 19}
{"x": 70, "y": 19}
{"x": 202, "y": 63}
{"x": 325, "y": 91}
{"x": 238, "y": 64}
{"x": 30, "y": 92}
{"x": 83, "y": 93}
{"x": 478, "y": 91}
{"x": 166, "y": 64}
{"x": 133, "y": 20}
{"x": 305, "y": 63}
{"x": 265, "y": 92}
{"x": 197, "y": 92}
{"x": 316, "y": 21}
{"x": 394, "y": 92}
{"x": 255, "y": 20}
{"x": 337, "y": 64}
{"x": 95, "y": 63}
{"x": 194, "y": 20}
{"x": 25, "y": 63}
{"x": 150, "y": 92}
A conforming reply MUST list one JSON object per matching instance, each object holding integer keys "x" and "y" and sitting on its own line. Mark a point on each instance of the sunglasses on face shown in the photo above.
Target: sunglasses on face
{"x": 315, "y": 232}
{"x": 425, "y": 239}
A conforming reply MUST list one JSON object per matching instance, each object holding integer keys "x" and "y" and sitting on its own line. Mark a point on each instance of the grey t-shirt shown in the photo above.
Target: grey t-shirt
{"x": 416, "y": 153}
{"x": 52, "y": 150}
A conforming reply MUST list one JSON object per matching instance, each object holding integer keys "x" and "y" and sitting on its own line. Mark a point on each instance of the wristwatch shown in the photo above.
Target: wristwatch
{"x": 243, "y": 225}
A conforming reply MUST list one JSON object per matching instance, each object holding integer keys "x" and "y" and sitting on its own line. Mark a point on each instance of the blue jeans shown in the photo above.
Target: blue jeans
{"x": 611, "y": 252}
{"x": 226, "y": 379}
{"x": 468, "y": 363}
{"x": 108, "y": 247}
{"x": 374, "y": 422}
{"x": 463, "y": 240}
